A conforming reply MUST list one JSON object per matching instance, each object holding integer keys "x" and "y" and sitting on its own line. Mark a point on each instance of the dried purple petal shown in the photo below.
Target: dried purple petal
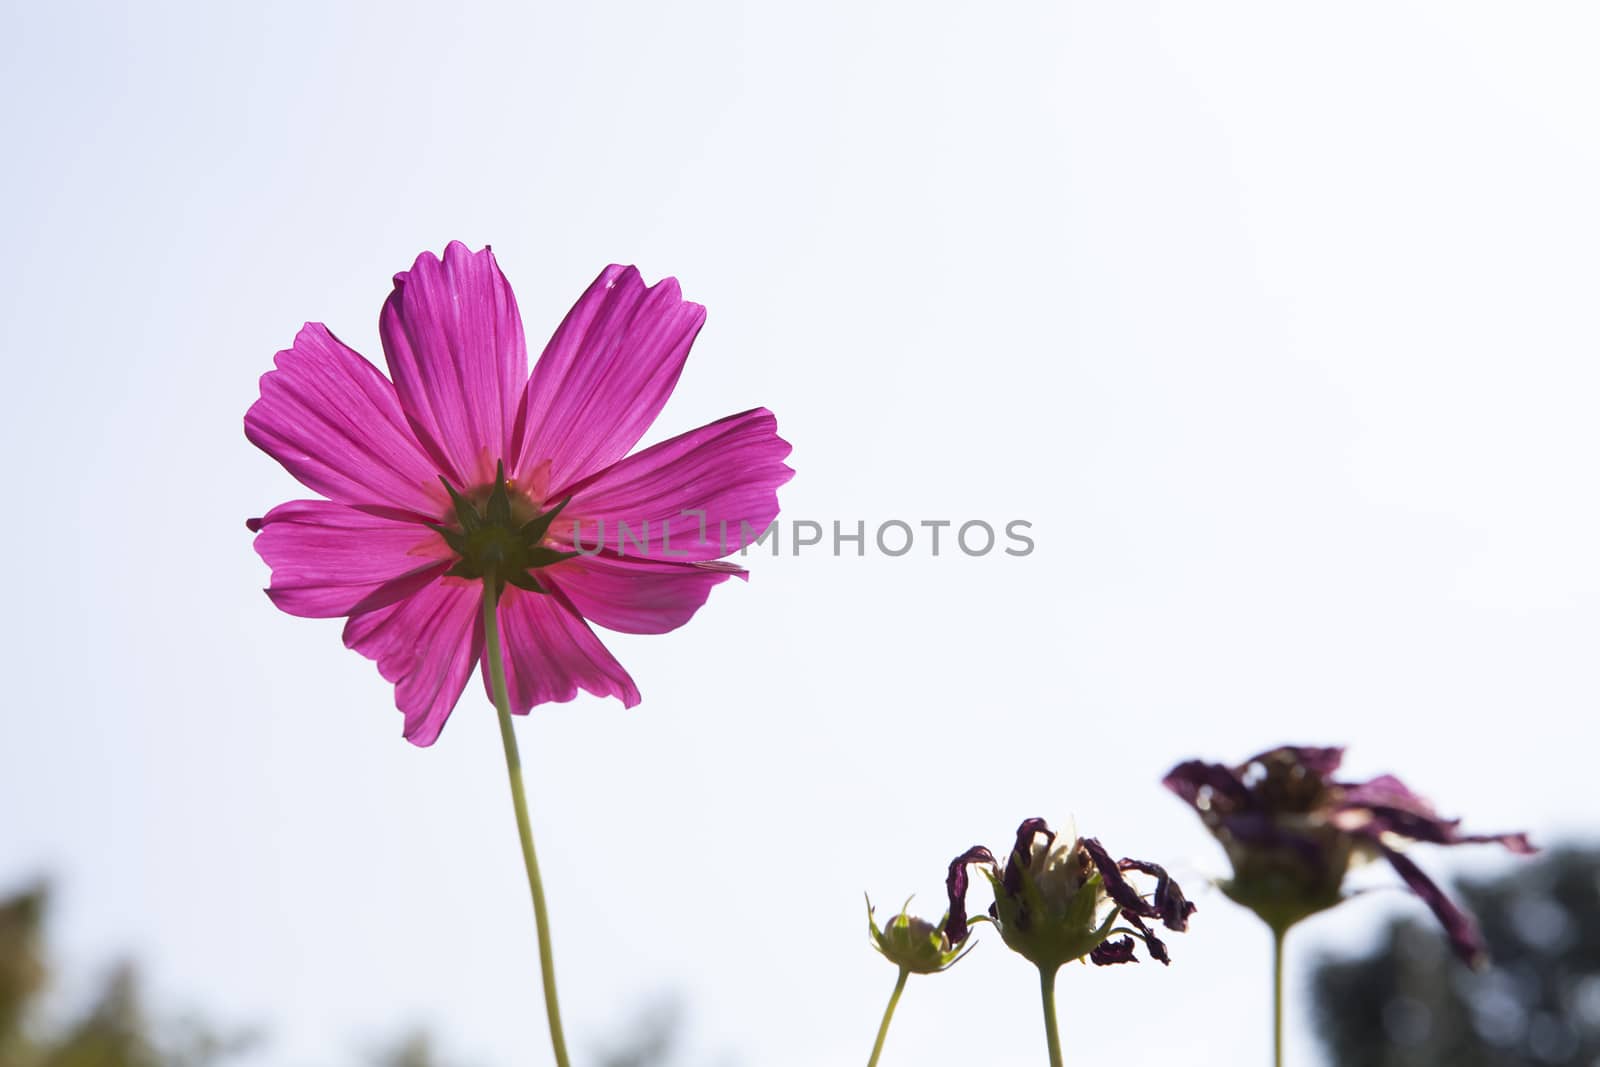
{"x": 1116, "y": 886}
{"x": 955, "y": 884}
{"x": 1221, "y": 788}
{"x": 1461, "y": 928}
{"x": 1152, "y": 944}
{"x": 1169, "y": 900}
{"x": 1022, "y": 852}
{"x": 1109, "y": 952}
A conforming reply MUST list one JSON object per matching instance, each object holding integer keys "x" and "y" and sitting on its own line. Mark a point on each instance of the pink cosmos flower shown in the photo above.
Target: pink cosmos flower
{"x": 466, "y": 464}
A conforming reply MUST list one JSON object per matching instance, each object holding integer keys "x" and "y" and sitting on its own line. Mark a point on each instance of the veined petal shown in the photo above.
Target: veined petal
{"x": 550, "y": 654}
{"x": 334, "y": 422}
{"x": 453, "y": 338}
{"x": 730, "y": 470}
{"x": 637, "y": 596}
{"x": 605, "y": 375}
{"x": 329, "y": 559}
{"x": 426, "y": 645}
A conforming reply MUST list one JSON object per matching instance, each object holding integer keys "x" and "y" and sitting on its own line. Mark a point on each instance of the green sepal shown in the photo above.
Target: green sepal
{"x": 499, "y": 506}
{"x": 535, "y": 529}
{"x": 454, "y": 538}
{"x": 466, "y": 514}
{"x": 544, "y": 557}
{"x": 526, "y": 580}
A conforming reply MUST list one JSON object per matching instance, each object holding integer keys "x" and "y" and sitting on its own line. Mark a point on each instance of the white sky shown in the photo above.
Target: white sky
{"x": 1277, "y": 323}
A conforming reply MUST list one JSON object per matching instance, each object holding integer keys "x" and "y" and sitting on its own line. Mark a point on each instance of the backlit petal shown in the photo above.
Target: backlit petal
{"x": 329, "y": 559}
{"x": 604, "y": 376}
{"x": 730, "y": 470}
{"x": 637, "y": 596}
{"x": 454, "y": 342}
{"x": 335, "y": 423}
{"x": 550, "y": 654}
{"x": 426, "y": 645}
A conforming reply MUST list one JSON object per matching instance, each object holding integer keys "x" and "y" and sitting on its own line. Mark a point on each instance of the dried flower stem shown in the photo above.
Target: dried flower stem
{"x": 888, "y": 1013}
{"x": 519, "y": 801}
{"x": 1047, "y": 993}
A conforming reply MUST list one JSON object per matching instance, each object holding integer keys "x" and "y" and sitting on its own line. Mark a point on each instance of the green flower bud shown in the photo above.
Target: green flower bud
{"x": 913, "y": 944}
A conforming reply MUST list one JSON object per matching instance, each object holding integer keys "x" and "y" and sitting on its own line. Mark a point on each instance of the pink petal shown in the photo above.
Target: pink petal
{"x": 426, "y": 645}
{"x": 605, "y": 374}
{"x": 454, "y": 342}
{"x": 550, "y": 654}
{"x": 335, "y": 423}
{"x": 637, "y": 596}
{"x": 730, "y": 470}
{"x": 329, "y": 560}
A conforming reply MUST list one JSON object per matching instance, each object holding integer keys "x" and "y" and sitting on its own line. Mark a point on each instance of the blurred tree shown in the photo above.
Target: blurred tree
{"x": 1410, "y": 1004}
{"x": 22, "y": 973}
{"x": 653, "y": 1039}
{"x": 415, "y": 1050}
{"x": 115, "y": 1030}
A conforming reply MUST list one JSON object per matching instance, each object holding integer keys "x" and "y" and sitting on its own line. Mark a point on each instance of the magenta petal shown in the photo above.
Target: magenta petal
{"x": 454, "y": 342}
{"x": 550, "y": 654}
{"x": 638, "y": 596}
{"x": 335, "y": 423}
{"x": 606, "y": 373}
{"x": 426, "y": 645}
{"x": 730, "y": 470}
{"x": 328, "y": 559}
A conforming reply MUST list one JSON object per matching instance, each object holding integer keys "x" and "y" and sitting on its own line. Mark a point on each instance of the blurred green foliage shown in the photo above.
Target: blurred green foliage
{"x": 115, "y": 1029}
{"x": 112, "y": 1031}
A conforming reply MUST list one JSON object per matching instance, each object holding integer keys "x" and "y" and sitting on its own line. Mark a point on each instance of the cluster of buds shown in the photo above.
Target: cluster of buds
{"x": 1059, "y": 899}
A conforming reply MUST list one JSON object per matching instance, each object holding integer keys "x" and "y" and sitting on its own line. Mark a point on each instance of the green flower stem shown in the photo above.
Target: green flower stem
{"x": 1278, "y": 935}
{"x": 888, "y": 1013}
{"x": 519, "y": 801}
{"x": 1047, "y": 993}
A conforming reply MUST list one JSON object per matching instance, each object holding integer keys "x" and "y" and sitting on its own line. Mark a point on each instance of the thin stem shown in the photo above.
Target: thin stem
{"x": 1047, "y": 993}
{"x": 1278, "y": 935}
{"x": 519, "y": 801}
{"x": 888, "y": 1013}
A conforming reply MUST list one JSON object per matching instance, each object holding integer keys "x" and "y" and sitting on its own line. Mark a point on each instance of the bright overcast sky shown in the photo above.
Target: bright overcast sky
{"x": 1276, "y": 323}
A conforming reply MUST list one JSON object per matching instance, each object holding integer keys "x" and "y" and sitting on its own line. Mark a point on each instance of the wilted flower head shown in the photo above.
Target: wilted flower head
{"x": 1291, "y": 830}
{"x": 450, "y": 475}
{"x": 914, "y": 944}
{"x": 1058, "y": 899}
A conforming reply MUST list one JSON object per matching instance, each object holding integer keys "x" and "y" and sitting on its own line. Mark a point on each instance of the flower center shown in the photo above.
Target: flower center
{"x": 499, "y": 535}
